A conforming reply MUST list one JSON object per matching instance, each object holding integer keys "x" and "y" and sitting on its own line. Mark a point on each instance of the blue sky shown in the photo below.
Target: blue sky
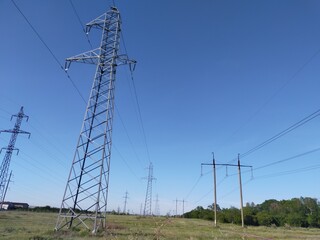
{"x": 218, "y": 76}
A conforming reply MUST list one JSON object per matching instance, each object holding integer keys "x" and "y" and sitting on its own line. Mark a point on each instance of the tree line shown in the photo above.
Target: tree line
{"x": 296, "y": 212}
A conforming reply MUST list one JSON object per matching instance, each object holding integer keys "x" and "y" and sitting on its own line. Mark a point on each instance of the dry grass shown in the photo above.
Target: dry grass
{"x": 39, "y": 226}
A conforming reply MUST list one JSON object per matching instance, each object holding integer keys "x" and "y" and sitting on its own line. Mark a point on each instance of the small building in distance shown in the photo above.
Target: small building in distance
{"x": 14, "y": 205}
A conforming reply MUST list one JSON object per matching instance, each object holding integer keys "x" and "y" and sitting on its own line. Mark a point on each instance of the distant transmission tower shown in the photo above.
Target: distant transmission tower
{"x": 157, "y": 208}
{"x": 148, "y": 201}
{"x": 125, "y": 202}
{"x": 85, "y": 198}
{"x": 4, "y": 168}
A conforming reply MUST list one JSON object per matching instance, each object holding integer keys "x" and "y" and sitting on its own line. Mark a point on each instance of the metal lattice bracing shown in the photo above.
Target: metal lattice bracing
{"x": 4, "y": 168}
{"x": 85, "y": 198}
{"x": 148, "y": 200}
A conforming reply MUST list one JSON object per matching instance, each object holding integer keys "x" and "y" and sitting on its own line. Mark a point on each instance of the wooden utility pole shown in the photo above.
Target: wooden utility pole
{"x": 183, "y": 207}
{"x": 215, "y": 185}
{"x": 215, "y": 190}
{"x": 183, "y": 201}
{"x": 240, "y": 185}
{"x": 176, "y": 207}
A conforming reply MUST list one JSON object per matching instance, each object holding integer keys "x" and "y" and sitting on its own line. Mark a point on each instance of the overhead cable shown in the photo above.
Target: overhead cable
{"x": 193, "y": 187}
{"x": 48, "y": 48}
{"x": 137, "y": 101}
{"x": 126, "y": 131}
{"x": 300, "y": 69}
{"x": 282, "y": 133}
{"x": 289, "y": 172}
{"x": 80, "y": 22}
{"x": 282, "y": 160}
{"x": 287, "y": 159}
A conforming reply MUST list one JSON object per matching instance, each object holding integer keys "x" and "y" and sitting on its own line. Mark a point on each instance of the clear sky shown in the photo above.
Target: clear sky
{"x": 220, "y": 76}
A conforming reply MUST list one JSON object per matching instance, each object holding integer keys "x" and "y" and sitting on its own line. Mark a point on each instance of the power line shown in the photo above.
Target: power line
{"x": 235, "y": 189}
{"x": 124, "y": 44}
{"x": 282, "y": 160}
{"x": 38, "y": 35}
{"x": 140, "y": 116}
{"x": 289, "y": 172}
{"x": 42, "y": 171}
{"x": 211, "y": 190}
{"x": 5, "y": 111}
{"x": 282, "y": 133}
{"x": 126, "y": 163}
{"x": 205, "y": 195}
{"x": 127, "y": 134}
{"x": 277, "y": 92}
{"x": 80, "y": 22}
{"x": 193, "y": 187}
{"x": 49, "y": 154}
{"x": 48, "y": 48}
{"x": 197, "y": 182}
{"x": 42, "y": 147}
{"x": 52, "y": 145}
{"x": 289, "y": 158}
{"x": 137, "y": 101}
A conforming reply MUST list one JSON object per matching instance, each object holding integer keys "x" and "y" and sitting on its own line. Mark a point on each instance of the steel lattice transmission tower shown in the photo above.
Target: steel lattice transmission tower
{"x": 85, "y": 198}
{"x": 157, "y": 208}
{"x": 148, "y": 201}
{"x": 4, "y": 168}
{"x": 125, "y": 202}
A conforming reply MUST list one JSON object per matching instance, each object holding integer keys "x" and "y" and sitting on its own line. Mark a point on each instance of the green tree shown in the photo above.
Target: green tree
{"x": 211, "y": 207}
{"x": 200, "y": 212}
{"x": 250, "y": 215}
{"x": 312, "y": 211}
{"x": 299, "y": 212}
{"x": 230, "y": 215}
{"x": 265, "y": 218}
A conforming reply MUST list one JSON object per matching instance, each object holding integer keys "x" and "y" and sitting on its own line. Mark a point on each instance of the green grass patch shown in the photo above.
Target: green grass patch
{"x": 39, "y": 226}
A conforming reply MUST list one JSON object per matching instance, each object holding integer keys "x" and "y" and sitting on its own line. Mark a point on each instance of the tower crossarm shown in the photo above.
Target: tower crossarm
{"x": 124, "y": 60}
{"x": 94, "y": 56}
{"x": 91, "y": 57}
{"x": 9, "y": 149}
{"x": 20, "y": 115}
{"x": 15, "y": 131}
{"x": 108, "y": 22}
{"x": 100, "y": 22}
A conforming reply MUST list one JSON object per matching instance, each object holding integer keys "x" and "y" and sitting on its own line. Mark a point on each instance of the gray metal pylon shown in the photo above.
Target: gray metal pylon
{"x": 157, "y": 208}
{"x": 4, "y": 168}
{"x": 148, "y": 200}
{"x": 125, "y": 202}
{"x": 85, "y": 197}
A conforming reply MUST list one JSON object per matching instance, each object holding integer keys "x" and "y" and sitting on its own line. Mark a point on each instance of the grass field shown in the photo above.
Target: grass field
{"x": 15, "y": 225}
